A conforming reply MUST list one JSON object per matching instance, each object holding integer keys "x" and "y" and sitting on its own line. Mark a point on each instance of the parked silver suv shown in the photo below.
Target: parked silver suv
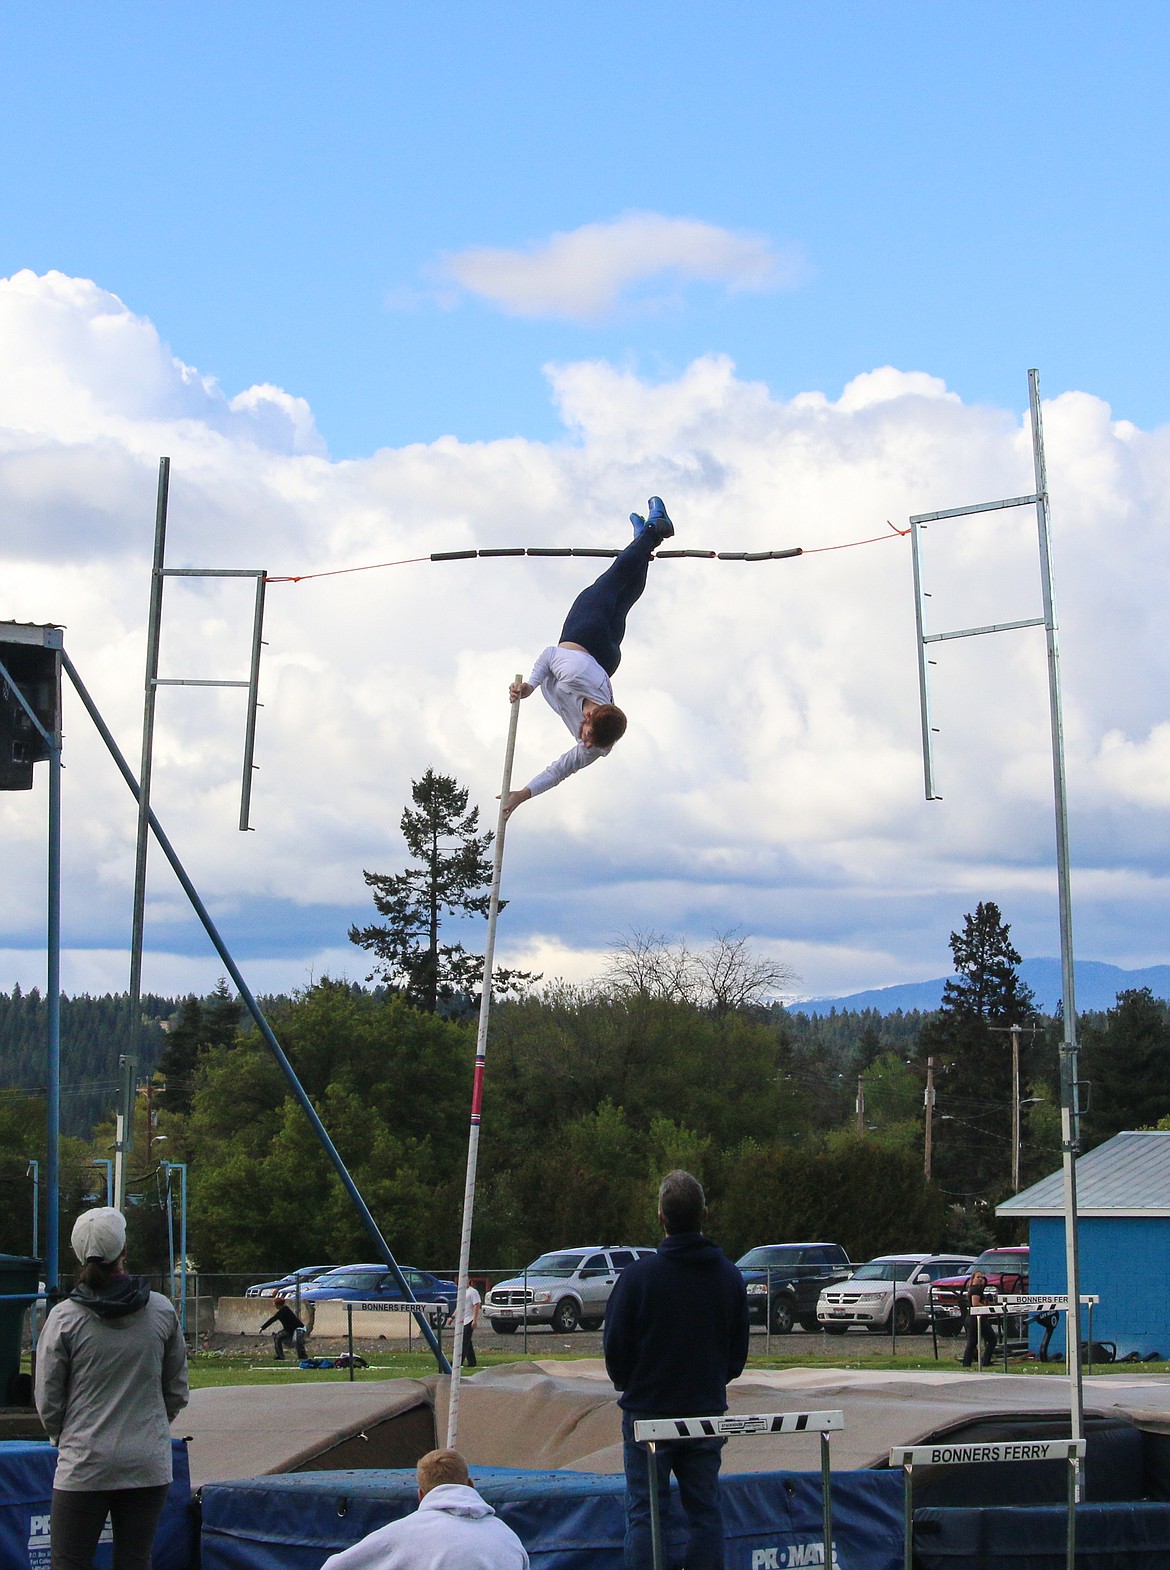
{"x": 564, "y": 1289}
{"x": 896, "y": 1284}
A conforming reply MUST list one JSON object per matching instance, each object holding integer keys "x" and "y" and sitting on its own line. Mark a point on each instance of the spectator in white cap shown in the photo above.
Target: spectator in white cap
{"x": 111, "y": 1374}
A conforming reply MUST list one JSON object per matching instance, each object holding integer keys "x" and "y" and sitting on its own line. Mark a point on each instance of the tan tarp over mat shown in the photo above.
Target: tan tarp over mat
{"x": 241, "y": 1431}
{"x": 558, "y": 1415}
{"x": 565, "y": 1415}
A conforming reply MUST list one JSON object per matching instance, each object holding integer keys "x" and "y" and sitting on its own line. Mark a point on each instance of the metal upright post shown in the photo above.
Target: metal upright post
{"x": 656, "y": 1553}
{"x": 928, "y": 1098}
{"x": 53, "y": 1151}
{"x": 154, "y": 623}
{"x": 485, "y": 1007}
{"x": 34, "y": 1167}
{"x": 1069, "y": 1105}
{"x": 170, "y": 1235}
{"x": 1015, "y": 1034}
{"x": 123, "y": 1125}
{"x": 182, "y": 1166}
{"x": 253, "y": 700}
{"x": 923, "y": 663}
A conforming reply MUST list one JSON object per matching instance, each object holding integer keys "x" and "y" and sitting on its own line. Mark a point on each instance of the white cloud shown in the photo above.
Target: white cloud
{"x": 1137, "y": 771}
{"x": 86, "y": 366}
{"x": 584, "y": 274}
{"x": 771, "y": 777}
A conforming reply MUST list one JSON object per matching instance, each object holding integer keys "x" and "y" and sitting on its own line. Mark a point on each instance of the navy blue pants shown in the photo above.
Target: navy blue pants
{"x": 597, "y": 617}
{"x": 695, "y": 1464}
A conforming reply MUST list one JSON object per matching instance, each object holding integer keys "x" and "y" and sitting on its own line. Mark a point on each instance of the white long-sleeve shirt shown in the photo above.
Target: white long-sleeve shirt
{"x": 452, "y": 1529}
{"x": 566, "y": 677}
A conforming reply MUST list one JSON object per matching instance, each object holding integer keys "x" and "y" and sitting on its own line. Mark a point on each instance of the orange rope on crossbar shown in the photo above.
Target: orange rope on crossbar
{"x": 568, "y": 550}
{"x": 898, "y": 534}
{"x": 338, "y": 572}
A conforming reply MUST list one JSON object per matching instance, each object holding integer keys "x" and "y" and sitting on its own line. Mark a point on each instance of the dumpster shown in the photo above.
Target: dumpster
{"x": 18, "y": 1273}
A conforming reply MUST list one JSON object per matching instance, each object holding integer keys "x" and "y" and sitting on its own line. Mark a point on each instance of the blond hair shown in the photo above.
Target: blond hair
{"x": 441, "y": 1466}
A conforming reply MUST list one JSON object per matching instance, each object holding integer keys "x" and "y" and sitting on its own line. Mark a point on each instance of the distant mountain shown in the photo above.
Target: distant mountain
{"x": 1097, "y": 986}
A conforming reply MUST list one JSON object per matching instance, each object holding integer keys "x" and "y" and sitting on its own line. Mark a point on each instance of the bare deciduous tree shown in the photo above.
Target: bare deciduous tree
{"x": 724, "y": 978}
{"x": 734, "y": 978}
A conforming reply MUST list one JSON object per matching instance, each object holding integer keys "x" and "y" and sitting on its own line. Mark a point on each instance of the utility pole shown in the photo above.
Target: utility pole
{"x": 1015, "y": 1032}
{"x": 928, "y": 1100}
{"x": 124, "y": 1128}
{"x": 860, "y": 1104}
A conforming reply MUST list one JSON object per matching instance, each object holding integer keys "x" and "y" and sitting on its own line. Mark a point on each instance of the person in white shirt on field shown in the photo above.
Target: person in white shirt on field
{"x": 574, "y": 675}
{"x": 470, "y": 1319}
{"x": 452, "y": 1529}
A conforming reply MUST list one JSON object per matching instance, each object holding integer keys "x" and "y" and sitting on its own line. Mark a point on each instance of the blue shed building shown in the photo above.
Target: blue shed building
{"x": 1123, "y": 1227}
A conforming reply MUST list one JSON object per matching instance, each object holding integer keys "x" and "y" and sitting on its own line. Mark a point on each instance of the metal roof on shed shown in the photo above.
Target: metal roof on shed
{"x": 1129, "y": 1175}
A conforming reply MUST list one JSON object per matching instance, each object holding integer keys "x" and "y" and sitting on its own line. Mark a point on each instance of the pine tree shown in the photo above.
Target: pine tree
{"x": 1127, "y": 1062}
{"x": 452, "y": 879}
{"x": 973, "y": 1056}
{"x": 203, "y": 1023}
{"x": 988, "y": 984}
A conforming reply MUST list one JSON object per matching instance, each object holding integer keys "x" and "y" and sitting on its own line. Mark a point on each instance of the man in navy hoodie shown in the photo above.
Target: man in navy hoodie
{"x": 676, "y": 1331}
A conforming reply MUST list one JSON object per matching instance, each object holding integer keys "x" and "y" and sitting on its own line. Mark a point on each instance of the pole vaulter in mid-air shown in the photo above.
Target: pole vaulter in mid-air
{"x": 574, "y": 675}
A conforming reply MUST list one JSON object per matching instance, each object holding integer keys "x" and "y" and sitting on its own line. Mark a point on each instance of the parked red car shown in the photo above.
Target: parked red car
{"x": 1006, "y": 1270}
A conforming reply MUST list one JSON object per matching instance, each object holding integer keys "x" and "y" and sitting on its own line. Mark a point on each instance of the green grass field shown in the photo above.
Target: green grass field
{"x": 249, "y": 1367}
{"x": 214, "y": 1368}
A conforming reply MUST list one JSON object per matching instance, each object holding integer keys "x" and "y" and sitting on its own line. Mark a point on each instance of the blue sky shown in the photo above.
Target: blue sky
{"x": 973, "y": 188}
{"x": 384, "y": 280}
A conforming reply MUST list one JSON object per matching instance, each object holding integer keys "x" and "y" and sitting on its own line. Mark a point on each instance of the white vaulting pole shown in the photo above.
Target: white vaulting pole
{"x": 485, "y": 1008}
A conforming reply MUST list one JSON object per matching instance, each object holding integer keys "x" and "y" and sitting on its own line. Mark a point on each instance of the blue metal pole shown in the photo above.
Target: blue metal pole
{"x": 262, "y": 1024}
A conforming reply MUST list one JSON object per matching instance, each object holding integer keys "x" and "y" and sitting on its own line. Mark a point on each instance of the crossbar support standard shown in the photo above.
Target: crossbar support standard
{"x": 1069, "y": 1083}
{"x": 255, "y": 1011}
{"x": 958, "y": 1454}
{"x": 656, "y": 1431}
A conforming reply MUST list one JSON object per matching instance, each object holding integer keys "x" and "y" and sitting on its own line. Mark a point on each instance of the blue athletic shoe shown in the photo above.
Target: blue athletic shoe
{"x": 638, "y": 521}
{"x": 657, "y": 519}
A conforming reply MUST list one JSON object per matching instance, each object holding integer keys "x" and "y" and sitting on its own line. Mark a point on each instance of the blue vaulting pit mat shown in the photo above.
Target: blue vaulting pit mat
{"x": 26, "y": 1488}
{"x": 1113, "y": 1536}
{"x": 566, "y": 1520}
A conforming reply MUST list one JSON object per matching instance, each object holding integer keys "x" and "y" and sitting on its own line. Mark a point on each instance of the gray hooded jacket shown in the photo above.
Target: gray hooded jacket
{"x": 111, "y": 1374}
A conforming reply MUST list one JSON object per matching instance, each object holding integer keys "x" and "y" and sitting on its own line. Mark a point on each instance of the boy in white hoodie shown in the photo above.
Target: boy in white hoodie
{"x": 452, "y": 1529}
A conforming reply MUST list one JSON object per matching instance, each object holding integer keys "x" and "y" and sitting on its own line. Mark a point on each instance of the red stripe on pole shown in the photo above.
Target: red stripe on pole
{"x": 477, "y": 1091}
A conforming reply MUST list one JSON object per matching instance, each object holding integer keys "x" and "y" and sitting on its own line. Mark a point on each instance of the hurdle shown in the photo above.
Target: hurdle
{"x": 910, "y": 1456}
{"x": 436, "y": 1312}
{"x": 1025, "y": 1304}
{"x": 652, "y": 1432}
